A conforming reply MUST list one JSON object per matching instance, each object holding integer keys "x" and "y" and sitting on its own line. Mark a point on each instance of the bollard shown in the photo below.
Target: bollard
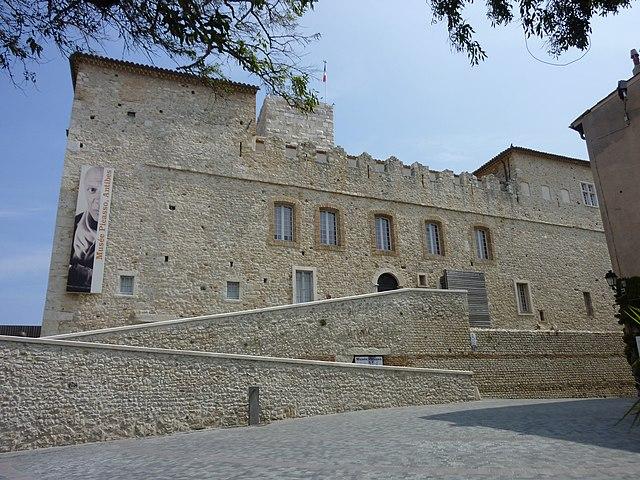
{"x": 254, "y": 405}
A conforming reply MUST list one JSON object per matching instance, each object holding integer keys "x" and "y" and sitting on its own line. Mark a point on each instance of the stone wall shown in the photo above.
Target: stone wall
{"x": 542, "y": 364}
{"x": 193, "y": 148}
{"x": 54, "y": 392}
{"x": 399, "y": 322}
{"x": 416, "y": 328}
{"x": 278, "y": 119}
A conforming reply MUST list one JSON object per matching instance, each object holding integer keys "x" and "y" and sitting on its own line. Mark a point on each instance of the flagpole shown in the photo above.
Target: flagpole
{"x": 324, "y": 80}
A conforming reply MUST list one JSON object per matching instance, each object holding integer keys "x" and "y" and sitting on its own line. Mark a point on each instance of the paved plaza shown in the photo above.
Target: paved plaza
{"x": 490, "y": 439}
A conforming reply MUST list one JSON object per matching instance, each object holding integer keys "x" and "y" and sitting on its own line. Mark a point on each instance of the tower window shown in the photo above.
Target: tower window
{"x": 283, "y": 222}
{"x": 433, "y": 238}
{"x": 383, "y": 233}
{"x": 589, "y": 194}
{"x": 328, "y": 227}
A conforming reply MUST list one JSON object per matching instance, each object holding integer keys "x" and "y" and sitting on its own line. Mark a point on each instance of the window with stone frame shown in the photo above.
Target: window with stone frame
{"x": 482, "y": 238}
{"x": 233, "y": 290}
{"x": 523, "y": 297}
{"x": 433, "y": 232}
{"x": 329, "y": 224}
{"x": 589, "y": 195}
{"x": 283, "y": 222}
{"x": 126, "y": 284}
{"x": 384, "y": 233}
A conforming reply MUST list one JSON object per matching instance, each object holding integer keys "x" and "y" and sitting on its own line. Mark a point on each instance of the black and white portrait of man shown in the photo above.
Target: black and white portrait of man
{"x": 85, "y": 231}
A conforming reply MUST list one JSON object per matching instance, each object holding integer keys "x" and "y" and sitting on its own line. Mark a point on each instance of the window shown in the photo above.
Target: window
{"x": 524, "y": 189}
{"x": 434, "y": 242}
{"x": 523, "y": 296}
{"x": 564, "y": 195}
{"x": 483, "y": 243}
{"x": 283, "y": 222}
{"x": 422, "y": 279}
{"x": 589, "y": 194}
{"x": 383, "y": 233}
{"x": 304, "y": 286}
{"x": 321, "y": 156}
{"x": 126, "y": 284}
{"x": 233, "y": 290}
{"x": 260, "y": 146}
{"x": 328, "y": 227}
{"x": 546, "y": 192}
{"x": 588, "y": 304}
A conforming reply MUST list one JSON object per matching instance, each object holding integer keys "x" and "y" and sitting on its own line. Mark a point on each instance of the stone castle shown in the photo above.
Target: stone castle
{"x": 239, "y": 253}
{"x": 199, "y": 187}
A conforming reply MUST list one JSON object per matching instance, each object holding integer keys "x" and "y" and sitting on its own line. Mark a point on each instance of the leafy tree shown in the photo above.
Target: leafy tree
{"x": 262, "y": 36}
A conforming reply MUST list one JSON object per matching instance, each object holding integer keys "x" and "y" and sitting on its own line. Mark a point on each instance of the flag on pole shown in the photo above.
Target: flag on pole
{"x": 324, "y": 73}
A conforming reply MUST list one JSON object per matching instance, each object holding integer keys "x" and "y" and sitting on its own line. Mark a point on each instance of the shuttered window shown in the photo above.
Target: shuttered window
{"x": 328, "y": 227}
{"x": 483, "y": 245}
{"x": 383, "y": 233}
{"x": 589, "y": 194}
{"x": 434, "y": 245}
{"x": 304, "y": 286}
{"x": 474, "y": 283}
{"x": 524, "y": 298}
{"x": 283, "y": 222}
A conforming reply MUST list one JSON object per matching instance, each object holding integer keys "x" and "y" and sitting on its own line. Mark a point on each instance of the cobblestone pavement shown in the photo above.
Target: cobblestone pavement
{"x": 491, "y": 439}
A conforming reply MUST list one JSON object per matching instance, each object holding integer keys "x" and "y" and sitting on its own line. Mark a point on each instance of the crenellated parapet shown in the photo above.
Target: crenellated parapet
{"x": 306, "y": 164}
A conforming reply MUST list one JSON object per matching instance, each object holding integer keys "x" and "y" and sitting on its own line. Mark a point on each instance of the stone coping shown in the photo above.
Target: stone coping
{"x": 275, "y": 308}
{"x": 225, "y": 356}
{"x": 544, "y": 332}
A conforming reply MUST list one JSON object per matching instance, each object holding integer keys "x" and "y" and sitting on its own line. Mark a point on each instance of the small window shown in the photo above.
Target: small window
{"x": 260, "y": 146}
{"x": 588, "y": 304}
{"x": 304, "y": 287}
{"x": 328, "y": 227}
{"x": 383, "y": 233}
{"x": 589, "y": 194}
{"x": 321, "y": 157}
{"x": 524, "y": 189}
{"x": 283, "y": 222}
{"x": 126, "y": 284}
{"x": 524, "y": 298}
{"x": 172, "y": 207}
{"x": 546, "y": 192}
{"x": 434, "y": 240}
{"x": 131, "y": 114}
{"x": 564, "y": 195}
{"x": 233, "y": 290}
{"x": 483, "y": 243}
{"x": 291, "y": 151}
{"x": 422, "y": 280}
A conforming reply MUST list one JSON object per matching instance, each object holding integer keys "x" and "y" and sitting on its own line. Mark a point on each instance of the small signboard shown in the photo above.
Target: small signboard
{"x": 368, "y": 359}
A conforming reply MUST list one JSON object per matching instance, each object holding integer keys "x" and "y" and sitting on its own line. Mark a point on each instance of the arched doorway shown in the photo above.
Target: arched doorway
{"x": 386, "y": 281}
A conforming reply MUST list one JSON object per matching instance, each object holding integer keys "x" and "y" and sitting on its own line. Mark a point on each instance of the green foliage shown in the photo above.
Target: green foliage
{"x": 200, "y": 35}
{"x": 262, "y": 36}
{"x": 563, "y": 24}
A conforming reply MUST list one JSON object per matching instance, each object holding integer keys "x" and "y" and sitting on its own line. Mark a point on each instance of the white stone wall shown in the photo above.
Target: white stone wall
{"x": 59, "y": 393}
{"x": 415, "y": 328}
{"x": 278, "y": 119}
{"x": 394, "y": 323}
{"x": 199, "y": 155}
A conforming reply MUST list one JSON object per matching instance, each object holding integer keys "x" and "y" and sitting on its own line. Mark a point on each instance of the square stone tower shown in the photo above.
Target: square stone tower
{"x": 279, "y": 119}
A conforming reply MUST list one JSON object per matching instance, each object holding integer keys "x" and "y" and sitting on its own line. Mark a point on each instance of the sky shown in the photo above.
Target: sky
{"x": 397, "y": 88}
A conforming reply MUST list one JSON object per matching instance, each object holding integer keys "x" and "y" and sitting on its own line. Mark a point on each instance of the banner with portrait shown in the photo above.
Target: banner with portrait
{"x": 90, "y": 228}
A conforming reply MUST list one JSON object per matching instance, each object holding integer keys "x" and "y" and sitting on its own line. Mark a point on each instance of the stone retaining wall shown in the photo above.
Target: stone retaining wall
{"x": 537, "y": 364}
{"x": 399, "y": 322}
{"x": 412, "y": 327}
{"x": 56, "y": 392}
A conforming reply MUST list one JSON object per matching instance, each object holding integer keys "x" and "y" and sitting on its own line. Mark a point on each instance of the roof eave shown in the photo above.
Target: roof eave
{"x": 80, "y": 57}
